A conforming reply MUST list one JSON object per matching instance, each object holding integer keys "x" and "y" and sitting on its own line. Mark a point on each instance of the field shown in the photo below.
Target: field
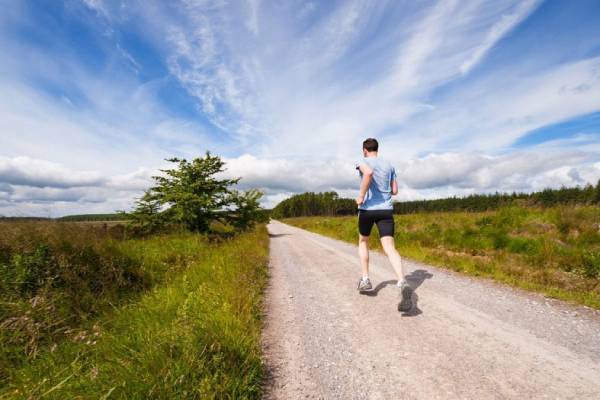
{"x": 555, "y": 251}
{"x": 87, "y": 313}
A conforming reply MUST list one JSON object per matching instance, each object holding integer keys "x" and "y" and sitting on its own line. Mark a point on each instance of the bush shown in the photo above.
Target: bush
{"x": 523, "y": 246}
{"x": 591, "y": 264}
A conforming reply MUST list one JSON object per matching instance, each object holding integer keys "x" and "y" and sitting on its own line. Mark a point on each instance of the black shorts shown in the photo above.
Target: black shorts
{"x": 383, "y": 218}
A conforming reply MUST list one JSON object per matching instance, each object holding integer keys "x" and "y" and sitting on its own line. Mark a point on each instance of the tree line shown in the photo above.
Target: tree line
{"x": 312, "y": 204}
{"x": 330, "y": 204}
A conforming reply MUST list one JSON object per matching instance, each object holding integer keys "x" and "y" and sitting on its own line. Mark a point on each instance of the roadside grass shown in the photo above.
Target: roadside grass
{"x": 55, "y": 277}
{"x": 555, "y": 251}
{"x": 191, "y": 329}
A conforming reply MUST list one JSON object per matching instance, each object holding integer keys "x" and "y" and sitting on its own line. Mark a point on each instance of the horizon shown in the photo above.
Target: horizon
{"x": 463, "y": 97}
{"x": 433, "y": 199}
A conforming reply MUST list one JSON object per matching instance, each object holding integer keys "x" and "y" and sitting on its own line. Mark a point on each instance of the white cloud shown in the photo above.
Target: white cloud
{"x": 493, "y": 113}
{"x": 25, "y": 171}
{"x": 515, "y": 171}
{"x": 497, "y": 31}
{"x": 429, "y": 176}
{"x": 97, "y": 5}
{"x": 136, "y": 181}
{"x": 281, "y": 175}
{"x": 50, "y": 188}
{"x": 39, "y": 187}
{"x": 315, "y": 84}
{"x": 6, "y": 188}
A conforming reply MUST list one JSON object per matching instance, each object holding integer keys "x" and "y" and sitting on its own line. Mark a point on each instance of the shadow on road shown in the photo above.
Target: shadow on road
{"x": 276, "y": 235}
{"x": 417, "y": 277}
{"x": 414, "y": 279}
{"x": 415, "y": 310}
{"x": 373, "y": 292}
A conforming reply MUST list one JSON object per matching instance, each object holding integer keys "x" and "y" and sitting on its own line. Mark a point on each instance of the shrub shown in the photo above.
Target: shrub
{"x": 524, "y": 246}
{"x": 591, "y": 264}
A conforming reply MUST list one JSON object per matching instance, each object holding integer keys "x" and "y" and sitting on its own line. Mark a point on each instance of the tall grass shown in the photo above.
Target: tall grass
{"x": 555, "y": 250}
{"x": 190, "y": 329}
{"x": 53, "y": 278}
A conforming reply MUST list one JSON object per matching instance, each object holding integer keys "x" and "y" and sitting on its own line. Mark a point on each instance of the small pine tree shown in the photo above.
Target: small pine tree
{"x": 191, "y": 195}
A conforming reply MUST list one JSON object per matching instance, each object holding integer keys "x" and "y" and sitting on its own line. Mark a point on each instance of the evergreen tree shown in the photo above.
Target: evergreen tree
{"x": 193, "y": 196}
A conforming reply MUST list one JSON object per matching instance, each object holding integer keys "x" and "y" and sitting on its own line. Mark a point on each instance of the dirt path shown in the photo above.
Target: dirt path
{"x": 467, "y": 338}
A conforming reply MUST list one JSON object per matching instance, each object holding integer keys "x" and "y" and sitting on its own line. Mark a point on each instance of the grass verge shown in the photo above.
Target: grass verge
{"x": 555, "y": 251}
{"x": 194, "y": 334}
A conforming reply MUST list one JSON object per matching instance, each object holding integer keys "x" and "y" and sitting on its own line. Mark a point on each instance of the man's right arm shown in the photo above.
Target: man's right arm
{"x": 367, "y": 176}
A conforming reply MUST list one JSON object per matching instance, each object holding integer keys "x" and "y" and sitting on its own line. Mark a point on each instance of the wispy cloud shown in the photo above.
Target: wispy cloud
{"x": 507, "y": 22}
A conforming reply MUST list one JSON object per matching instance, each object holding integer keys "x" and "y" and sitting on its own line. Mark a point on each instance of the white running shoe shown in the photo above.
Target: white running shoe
{"x": 364, "y": 284}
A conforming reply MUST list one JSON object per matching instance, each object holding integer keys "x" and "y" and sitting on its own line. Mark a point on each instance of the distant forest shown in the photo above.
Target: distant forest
{"x": 330, "y": 204}
{"x": 94, "y": 217}
{"x": 70, "y": 218}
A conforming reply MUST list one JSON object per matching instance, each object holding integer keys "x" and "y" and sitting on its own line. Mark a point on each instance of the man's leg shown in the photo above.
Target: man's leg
{"x": 387, "y": 242}
{"x": 365, "y": 224}
{"x": 386, "y": 231}
{"x": 363, "y": 253}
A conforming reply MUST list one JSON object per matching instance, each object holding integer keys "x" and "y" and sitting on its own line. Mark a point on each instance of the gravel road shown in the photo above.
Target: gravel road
{"x": 466, "y": 338}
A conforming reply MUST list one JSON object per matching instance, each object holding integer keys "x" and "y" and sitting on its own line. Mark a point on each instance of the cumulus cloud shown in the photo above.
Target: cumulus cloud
{"x": 140, "y": 179}
{"x": 277, "y": 175}
{"x": 484, "y": 172}
{"x": 6, "y": 188}
{"x": 39, "y": 187}
{"x": 39, "y": 173}
{"x": 52, "y": 195}
{"x": 463, "y": 173}
{"x": 430, "y": 176}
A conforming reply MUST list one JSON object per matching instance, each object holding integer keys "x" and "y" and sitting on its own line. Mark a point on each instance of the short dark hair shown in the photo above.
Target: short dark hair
{"x": 371, "y": 144}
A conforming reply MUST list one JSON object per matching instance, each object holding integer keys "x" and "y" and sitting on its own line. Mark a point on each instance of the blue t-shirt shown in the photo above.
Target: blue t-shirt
{"x": 379, "y": 195}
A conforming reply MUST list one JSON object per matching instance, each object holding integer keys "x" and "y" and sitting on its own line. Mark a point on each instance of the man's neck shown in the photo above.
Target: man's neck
{"x": 371, "y": 154}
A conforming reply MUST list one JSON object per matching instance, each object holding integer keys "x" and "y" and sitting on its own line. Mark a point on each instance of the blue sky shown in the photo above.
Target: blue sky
{"x": 464, "y": 96}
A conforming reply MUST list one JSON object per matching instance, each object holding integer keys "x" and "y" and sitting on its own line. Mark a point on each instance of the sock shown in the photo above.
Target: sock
{"x": 365, "y": 277}
{"x": 400, "y": 283}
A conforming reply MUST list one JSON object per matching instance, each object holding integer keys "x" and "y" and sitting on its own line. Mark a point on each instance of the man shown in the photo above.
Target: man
{"x": 378, "y": 184}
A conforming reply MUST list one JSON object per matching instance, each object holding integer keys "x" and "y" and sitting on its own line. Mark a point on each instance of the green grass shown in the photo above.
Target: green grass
{"x": 190, "y": 330}
{"x": 555, "y": 251}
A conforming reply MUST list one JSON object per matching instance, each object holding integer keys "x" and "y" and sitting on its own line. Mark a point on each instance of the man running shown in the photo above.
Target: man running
{"x": 378, "y": 184}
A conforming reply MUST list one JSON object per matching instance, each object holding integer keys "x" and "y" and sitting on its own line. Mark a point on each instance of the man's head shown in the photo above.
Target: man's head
{"x": 370, "y": 146}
